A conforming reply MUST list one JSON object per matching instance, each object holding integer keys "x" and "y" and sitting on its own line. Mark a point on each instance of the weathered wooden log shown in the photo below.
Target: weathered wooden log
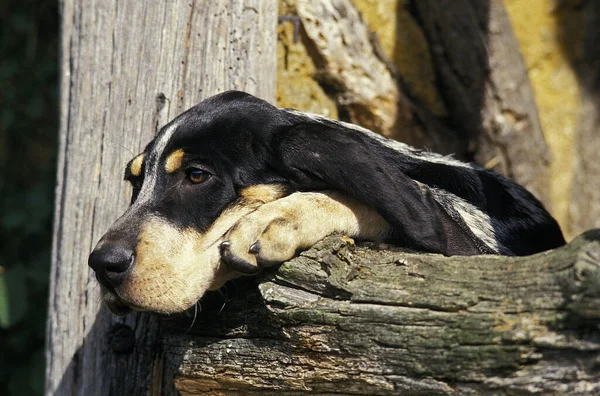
{"x": 343, "y": 319}
{"x": 128, "y": 67}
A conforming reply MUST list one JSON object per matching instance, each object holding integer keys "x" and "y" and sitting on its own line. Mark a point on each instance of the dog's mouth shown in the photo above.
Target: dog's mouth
{"x": 114, "y": 303}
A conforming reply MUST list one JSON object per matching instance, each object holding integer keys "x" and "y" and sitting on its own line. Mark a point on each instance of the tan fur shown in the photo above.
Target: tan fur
{"x": 263, "y": 192}
{"x": 174, "y": 161}
{"x": 300, "y": 220}
{"x": 174, "y": 268}
{"x": 136, "y": 165}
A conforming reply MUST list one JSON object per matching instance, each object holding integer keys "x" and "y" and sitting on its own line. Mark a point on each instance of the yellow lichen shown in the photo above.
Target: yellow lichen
{"x": 404, "y": 43}
{"x": 556, "y": 89}
{"x": 296, "y": 86}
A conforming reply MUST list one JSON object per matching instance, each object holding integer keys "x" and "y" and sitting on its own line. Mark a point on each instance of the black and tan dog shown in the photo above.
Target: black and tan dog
{"x": 235, "y": 184}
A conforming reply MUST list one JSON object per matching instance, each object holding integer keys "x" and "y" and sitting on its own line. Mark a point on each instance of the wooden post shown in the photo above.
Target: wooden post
{"x": 127, "y": 68}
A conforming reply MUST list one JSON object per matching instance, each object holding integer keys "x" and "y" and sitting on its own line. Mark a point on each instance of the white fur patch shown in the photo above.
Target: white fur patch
{"x": 478, "y": 222}
{"x": 152, "y": 165}
{"x": 151, "y": 170}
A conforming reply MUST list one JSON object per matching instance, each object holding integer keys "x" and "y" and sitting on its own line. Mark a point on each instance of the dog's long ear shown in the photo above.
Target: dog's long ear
{"x": 318, "y": 153}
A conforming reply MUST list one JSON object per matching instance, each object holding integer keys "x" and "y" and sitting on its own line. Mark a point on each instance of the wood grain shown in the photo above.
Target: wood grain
{"x": 367, "y": 87}
{"x": 340, "y": 319}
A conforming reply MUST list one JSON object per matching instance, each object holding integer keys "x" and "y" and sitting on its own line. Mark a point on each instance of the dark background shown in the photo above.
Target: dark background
{"x": 28, "y": 139}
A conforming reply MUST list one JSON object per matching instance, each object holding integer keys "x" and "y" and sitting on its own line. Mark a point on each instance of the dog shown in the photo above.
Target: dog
{"x": 235, "y": 184}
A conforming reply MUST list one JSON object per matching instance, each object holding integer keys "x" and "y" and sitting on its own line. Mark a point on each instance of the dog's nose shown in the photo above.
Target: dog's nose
{"x": 111, "y": 264}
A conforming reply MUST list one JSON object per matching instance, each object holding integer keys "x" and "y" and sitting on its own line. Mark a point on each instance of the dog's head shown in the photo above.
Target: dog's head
{"x": 162, "y": 254}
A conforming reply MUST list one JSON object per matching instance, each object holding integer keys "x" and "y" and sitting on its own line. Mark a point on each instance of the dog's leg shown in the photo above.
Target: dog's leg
{"x": 276, "y": 231}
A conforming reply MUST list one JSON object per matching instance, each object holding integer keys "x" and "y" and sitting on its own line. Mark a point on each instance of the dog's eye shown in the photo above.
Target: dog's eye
{"x": 196, "y": 175}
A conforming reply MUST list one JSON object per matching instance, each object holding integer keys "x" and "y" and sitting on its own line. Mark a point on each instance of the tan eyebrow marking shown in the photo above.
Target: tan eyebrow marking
{"x": 174, "y": 161}
{"x": 263, "y": 192}
{"x": 136, "y": 165}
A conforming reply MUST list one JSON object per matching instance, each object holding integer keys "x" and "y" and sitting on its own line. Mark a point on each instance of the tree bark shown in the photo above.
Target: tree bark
{"x": 127, "y": 68}
{"x": 343, "y": 319}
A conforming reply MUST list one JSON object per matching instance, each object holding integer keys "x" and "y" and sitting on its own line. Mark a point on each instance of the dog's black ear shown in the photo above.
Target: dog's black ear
{"x": 320, "y": 153}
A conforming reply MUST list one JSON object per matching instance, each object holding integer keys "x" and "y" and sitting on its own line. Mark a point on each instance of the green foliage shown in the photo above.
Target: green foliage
{"x": 13, "y": 297}
{"x": 28, "y": 134}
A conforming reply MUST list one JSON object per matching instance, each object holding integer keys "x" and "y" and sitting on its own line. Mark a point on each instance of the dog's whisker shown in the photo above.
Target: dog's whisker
{"x": 225, "y": 295}
{"x": 194, "y": 318}
{"x": 236, "y": 289}
{"x": 120, "y": 145}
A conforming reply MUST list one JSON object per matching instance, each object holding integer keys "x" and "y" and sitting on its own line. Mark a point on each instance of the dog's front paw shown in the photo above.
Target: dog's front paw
{"x": 277, "y": 230}
{"x": 264, "y": 238}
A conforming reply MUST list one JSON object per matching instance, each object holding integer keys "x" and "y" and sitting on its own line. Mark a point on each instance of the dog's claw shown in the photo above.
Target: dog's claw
{"x": 235, "y": 262}
{"x": 254, "y": 248}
